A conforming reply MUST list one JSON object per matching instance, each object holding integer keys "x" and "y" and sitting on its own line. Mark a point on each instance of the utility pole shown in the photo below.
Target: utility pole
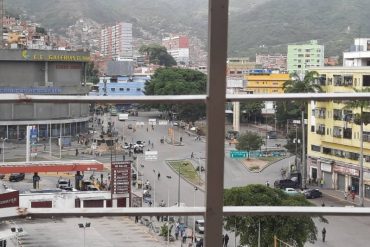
{"x": 2, "y": 13}
{"x": 304, "y": 171}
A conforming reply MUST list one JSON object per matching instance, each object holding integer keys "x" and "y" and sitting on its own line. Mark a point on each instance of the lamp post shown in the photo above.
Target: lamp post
{"x": 178, "y": 192}
{"x": 195, "y": 190}
{"x": 154, "y": 189}
{"x": 168, "y": 217}
{"x": 84, "y": 226}
{"x": 3, "y": 149}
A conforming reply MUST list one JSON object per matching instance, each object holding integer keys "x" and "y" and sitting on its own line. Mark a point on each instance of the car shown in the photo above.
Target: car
{"x": 62, "y": 183}
{"x": 286, "y": 183}
{"x": 139, "y": 144}
{"x": 16, "y": 177}
{"x": 291, "y": 191}
{"x": 175, "y": 123}
{"x": 199, "y": 226}
{"x": 312, "y": 193}
{"x": 126, "y": 145}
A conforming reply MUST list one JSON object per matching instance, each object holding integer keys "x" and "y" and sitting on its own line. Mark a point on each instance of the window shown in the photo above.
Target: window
{"x": 138, "y": 89}
{"x": 127, "y": 89}
{"x": 347, "y": 133}
{"x": 315, "y": 148}
{"x": 312, "y": 128}
{"x": 113, "y": 89}
{"x": 366, "y": 80}
{"x": 121, "y": 89}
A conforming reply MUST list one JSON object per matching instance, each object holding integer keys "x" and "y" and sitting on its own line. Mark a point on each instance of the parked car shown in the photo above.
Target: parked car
{"x": 139, "y": 144}
{"x": 286, "y": 183}
{"x": 312, "y": 193}
{"x": 62, "y": 183}
{"x": 16, "y": 177}
{"x": 291, "y": 191}
{"x": 199, "y": 226}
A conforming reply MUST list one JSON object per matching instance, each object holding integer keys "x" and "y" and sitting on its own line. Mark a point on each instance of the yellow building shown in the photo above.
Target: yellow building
{"x": 333, "y": 147}
{"x": 265, "y": 83}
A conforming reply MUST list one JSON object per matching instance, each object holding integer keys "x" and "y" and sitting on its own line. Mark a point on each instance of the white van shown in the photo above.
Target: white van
{"x": 122, "y": 116}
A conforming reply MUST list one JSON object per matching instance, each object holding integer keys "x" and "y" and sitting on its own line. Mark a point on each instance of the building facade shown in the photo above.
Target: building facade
{"x": 116, "y": 41}
{"x": 121, "y": 86}
{"x": 276, "y": 61}
{"x": 265, "y": 82}
{"x": 358, "y": 54}
{"x": 305, "y": 57}
{"x": 178, "y": 47}
{"x": 43, "y": 72}
{"x": 333, "y": 145}
{"x": 239, "y": 66}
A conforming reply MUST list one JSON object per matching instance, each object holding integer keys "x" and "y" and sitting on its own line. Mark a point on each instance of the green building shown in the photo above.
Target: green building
{"x": 302, "y": 58}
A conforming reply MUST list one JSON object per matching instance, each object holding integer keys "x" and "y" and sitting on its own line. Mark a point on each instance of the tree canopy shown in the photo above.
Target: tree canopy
{"x": 249, "y": 141}
{"x": 252, "y": 110}
{"x": 293, "y": 230}
{"x": 157, "y": 54}
{"x": 178, "y": 81}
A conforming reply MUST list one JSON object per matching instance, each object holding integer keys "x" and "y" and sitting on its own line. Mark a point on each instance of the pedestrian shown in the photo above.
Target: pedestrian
{"x": 184, "y": 237}
{"x": 147, "y": 130}
{"x": 322, "y": 204}
{"x": 177, "y": 232}
{"x": 181, "y": 139}
{"x": 323, "y": 234}
{"x": 136, "y": 219}
{"x": 192, "y": 155}
{"x": 149, "y": 142}
{"x": 76, "y": 151}
{"x": 150, "y": 203}
{"x": 44, "y": 148}
{"x": 345, "y": 195}
{"x": 159, "y": 175}
{"x": 267, "y": 184}
{"x": 226, "y": 239}
{"x": 353, "y": 196}
{"x": 321, "y": 182}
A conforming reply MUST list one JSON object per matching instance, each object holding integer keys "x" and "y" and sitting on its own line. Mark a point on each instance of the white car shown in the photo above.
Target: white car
{"x": 139, "y": 144}
{"x": 291, "y": 191}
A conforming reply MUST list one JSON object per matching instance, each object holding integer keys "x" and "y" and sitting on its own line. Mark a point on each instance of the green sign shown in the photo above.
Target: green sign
{"x": 235, "y": 154}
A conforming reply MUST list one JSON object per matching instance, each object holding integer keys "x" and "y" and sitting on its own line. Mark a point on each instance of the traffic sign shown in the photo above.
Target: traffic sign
{"x": 236, "y": 154}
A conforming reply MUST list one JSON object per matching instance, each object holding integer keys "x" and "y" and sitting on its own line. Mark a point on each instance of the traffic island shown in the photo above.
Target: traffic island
{"x": 187, "y": 171}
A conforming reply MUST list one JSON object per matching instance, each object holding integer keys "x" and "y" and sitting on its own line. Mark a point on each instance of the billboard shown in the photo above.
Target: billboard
{"x": 121, "y": 179}
{"x": 9, "y": 199}
{"x": 234, "y": 83}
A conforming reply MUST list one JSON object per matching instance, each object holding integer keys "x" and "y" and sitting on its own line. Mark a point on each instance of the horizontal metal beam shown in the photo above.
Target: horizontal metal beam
{"x": 21, "y": 98}
{"x": 187, "y": 211}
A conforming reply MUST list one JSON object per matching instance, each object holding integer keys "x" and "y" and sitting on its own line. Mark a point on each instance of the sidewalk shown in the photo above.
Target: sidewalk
{"x": 339, "y": 195}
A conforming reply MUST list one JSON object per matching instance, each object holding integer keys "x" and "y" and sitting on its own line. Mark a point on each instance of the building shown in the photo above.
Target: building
{"x": 239, "y": 66}
{"x": 178, "y": 47}
{"x": 302, "y": 58}
{"x": 265, "y": 82}
{"x": 331, "y": 61}
{"x": 121, "y": 86}
{"x": 43, "y": 73}
{"x": 116, "y": 41}
{"x": 276, "y": 61}
{"x": 358, "y": 54}
{"x": 333, "y": 137}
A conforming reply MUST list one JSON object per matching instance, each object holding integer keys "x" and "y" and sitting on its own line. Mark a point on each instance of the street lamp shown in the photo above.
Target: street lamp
{"x": 3, "y": 149}
{"x": 178, "y": 192}
{"x": 154, "y": 190}
{"x": 195, "y": 190}
{"x": 87, "y": 225}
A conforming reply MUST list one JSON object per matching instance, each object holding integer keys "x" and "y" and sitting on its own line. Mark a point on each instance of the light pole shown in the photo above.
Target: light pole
{"x": 3, "y": 149}
{"x": 87, "y": 225}
{"x": 195, "y": 190}
{"x": 168, "y": 217}
{"x": 154, "y": 190}
{"x": 178, "y": 192}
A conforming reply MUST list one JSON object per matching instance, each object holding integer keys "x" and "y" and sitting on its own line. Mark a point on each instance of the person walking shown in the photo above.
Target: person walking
{"x": 226, "y": 239}
{"x": 76, "y": 151}
{"x": 192, "y": 155}
{"x": 323, "y": 234}
{"x": 159, "y": 175}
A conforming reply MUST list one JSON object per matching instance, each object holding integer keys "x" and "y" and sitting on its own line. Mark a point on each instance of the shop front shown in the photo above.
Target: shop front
{"x": 327, "y": 174}
{"x": 347, "y": 178}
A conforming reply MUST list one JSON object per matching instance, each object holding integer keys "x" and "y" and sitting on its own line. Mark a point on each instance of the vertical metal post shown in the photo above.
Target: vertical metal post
{"x": 304, "y": 171}
{"x": 178, "y": 188}
{"x": 50, "y": 130}
{"x": 168, "y": 217}
{"x": 362, "y": 187}
{"x": 3, "y": 150}
{"x": 60, "y": 141}
{"x": 259, "y": 233}
{"x": 217, "y": 55}
{"x": 28, "y": 133}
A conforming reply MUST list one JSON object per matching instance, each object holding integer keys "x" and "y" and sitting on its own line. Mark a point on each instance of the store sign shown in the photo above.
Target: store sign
{"x": 31, "y": 90}
{"x": 44, "y": 56}
{"x": 10, "y": 199}
{"x": 325, "y": 167}
{"x": 121, "y": 178}
{"x": 346, "y": 170}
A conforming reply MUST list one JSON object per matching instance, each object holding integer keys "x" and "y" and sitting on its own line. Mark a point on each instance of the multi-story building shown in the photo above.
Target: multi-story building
{"x": 333, "y": 145}
{"x": 276, "y": 61}
{"x": 264, "y": 81}
{"x": 358, "y": 54}
{"x": 121, "y": 85}
{"x": 239, "y": 66}
{"x": 178, "y": 47}
{"x": 116, "y": 41}
{"x": 305, "y": 57}
{"x": 43, "y": 72}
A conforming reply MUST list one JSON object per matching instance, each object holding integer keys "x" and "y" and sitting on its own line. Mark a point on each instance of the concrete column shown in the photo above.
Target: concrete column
{"x": 46, "y": 72}
{"x": 81, "y": 203}
{"x": 114, "y": 203}
{"x": 104, "y": 203}
{"x": 236, "y": 116}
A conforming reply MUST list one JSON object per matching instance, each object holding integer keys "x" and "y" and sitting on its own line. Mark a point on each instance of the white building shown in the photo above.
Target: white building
{"x": 359, "y": 53}
{"x": 116, "y": 41}
{"x": 178, "y": 47}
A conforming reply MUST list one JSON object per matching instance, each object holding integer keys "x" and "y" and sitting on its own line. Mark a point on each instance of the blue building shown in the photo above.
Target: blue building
{"x": 121, "y": 85}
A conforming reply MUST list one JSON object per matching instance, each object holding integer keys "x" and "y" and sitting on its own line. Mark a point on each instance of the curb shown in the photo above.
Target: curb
{"x": 198, "y": 186}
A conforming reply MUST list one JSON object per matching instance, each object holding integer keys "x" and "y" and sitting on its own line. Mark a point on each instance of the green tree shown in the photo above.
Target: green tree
{"x": 92, "y": 73}
{"x": 360, "y": 119}
{"x": 178, "y": 81}
{"x": 157, "y": 54}
{"x": 307, "y": 85}
{"x": 249, "y": 141}
{"x": 253, "y": 110}
{"x": 291, "y": 229}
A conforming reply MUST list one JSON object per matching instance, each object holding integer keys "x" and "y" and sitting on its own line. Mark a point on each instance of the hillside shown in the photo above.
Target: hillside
{"x": 270, "y": 24}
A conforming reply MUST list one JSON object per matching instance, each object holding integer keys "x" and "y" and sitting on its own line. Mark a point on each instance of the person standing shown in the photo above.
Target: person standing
{"x": 226, "y": 239}
{"x": 76, "y": 151}
{"x": 323, "y": 234}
